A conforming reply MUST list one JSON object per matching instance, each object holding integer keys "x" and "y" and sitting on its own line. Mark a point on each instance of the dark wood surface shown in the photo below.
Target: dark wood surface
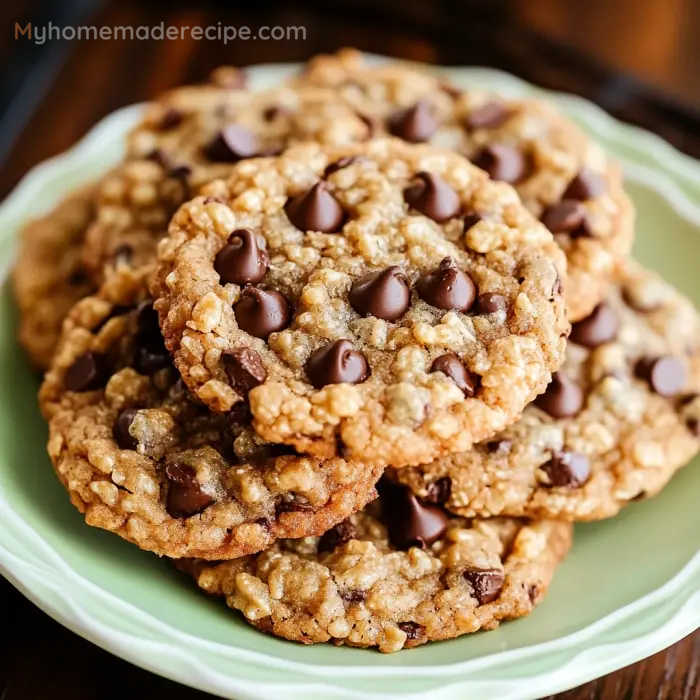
{"x": 637, "y": 58}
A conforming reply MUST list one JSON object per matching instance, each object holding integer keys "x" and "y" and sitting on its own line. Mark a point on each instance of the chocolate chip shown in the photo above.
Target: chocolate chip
{"x": 241, "y": 260}
{"x": 533, "y": 592}
{"x": 470, "y": 219}
{"x": 451, "y": 366}
{"x": 185, "y": 495}
{"x": 335, "y": 363}
{"x": 244, "y": 369}
{"x": 120, "y": 430}
{"x": 150, "y": 353}
{"x": 414, "y": 632}
{"x": 568, "y": 216}
{"x": 86, "y": 373}
{"x": 585, "y": 185}
{"x": 342, "y": 532}
{"x": 665, "y": 375}
{"x": 149, "y": 359}
{"x": 433, "y": 197}
{"x": 567, "y": 469}
{"x": 489, "y": 116}
{"x": 438, "y": 493}
{"x": 354, "y": 596}
{"x": 448, "y": 287}
{"x": 77, "y": 278}
{"x": 562, "y": 399}
{"x": 409, "y": 521}
{"x": 417, "y": 123}
{"x": 486, "y": 584}
{"x": 490, "y": 303}
{"x": 293, "y": 503}
{"x": 693, "y": 425}
{"x": 503, "y": 163}
{"x": 316, "y": 210}
{"x": 340, "y": 164}
{"x": 233, "y": 143}
{"x": 598, "y": 328}
{"x": 383, "y": 294}
{"x": 260, "y": 313}
{"x": 180, "y": 172}
{"x": 172, "y": 118}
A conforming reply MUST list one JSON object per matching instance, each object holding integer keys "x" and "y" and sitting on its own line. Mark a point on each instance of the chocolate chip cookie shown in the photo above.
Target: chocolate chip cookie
{"x": 618, "y": 420}
{"x": 381, "y": 319}
{"x": 396, "y": 575}
{"x": 142, "y": 458}
{"x": 49, "y": 276}
{"x": 561, "y": 175}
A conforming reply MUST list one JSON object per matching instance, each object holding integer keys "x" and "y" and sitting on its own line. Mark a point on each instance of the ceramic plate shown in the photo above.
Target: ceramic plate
{"x": 630, "y": 587}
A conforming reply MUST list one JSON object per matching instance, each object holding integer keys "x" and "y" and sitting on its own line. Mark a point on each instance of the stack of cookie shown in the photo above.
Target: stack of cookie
{"x": 315, "y": 344}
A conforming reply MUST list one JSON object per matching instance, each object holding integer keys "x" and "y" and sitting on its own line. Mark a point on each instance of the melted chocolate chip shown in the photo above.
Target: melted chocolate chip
{"x": 86, "y": 373}
{"x": 567, "y": 469}
{"x": 503, "y": 163}
{"x": 448, "y": 287}
{"x": 489, "y": 116}
{"x": 438, "y": 493}
{"x": 383, "y": 294}
{"x": 433, "y": 197}
{"x": 585, "y": 185}
{"x": 244, "y": 369}
{"x": 486, "y": 584}
{"x": 598, "y": 328}
{"x": 490, "y": 303}
{"x": 120, "y": 430}
{"x": 562, "y": 399}
{"x": 341, "y": 533}
{"x": 409, "y": 521}
{"x": 693, "y": 425}
{"x": 241, "y": 261}
{"x": 233, "y": 143}
{"x": 451, "y": 366}
{"x": 150, "y": 353}
{"x": 568, "y": 216}
{"x": 77, "y": 278}
{"x": 335, "y": 363}
{"x": 415, "y": 124}
{"x": 665, "y": 375}
{"x": 316, "y": 210}
{"x": 260, "y": 313}
{"x": 185, "y": 495}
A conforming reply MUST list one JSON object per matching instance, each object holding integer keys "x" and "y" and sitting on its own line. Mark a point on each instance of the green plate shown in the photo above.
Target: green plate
{"x": 629, "y": 588}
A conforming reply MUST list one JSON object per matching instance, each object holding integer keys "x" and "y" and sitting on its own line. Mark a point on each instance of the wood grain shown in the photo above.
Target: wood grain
{"x": 45, "y": 661}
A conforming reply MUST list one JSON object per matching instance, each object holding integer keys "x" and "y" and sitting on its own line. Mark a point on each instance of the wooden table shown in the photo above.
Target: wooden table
{"x": 655, "y": 41}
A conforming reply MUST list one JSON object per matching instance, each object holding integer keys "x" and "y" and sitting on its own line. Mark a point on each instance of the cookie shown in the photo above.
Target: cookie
{"x": 561, "y": 176}
{"x": 133, "y": 204}
{"x": 49, "y": 276}
{"x": 396, "y": 575}
{"x": 142, "y": 458}
{"x": 191, "y": 136}
{"x": 387, "y": 323}
{"x": 619, "y": 419}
